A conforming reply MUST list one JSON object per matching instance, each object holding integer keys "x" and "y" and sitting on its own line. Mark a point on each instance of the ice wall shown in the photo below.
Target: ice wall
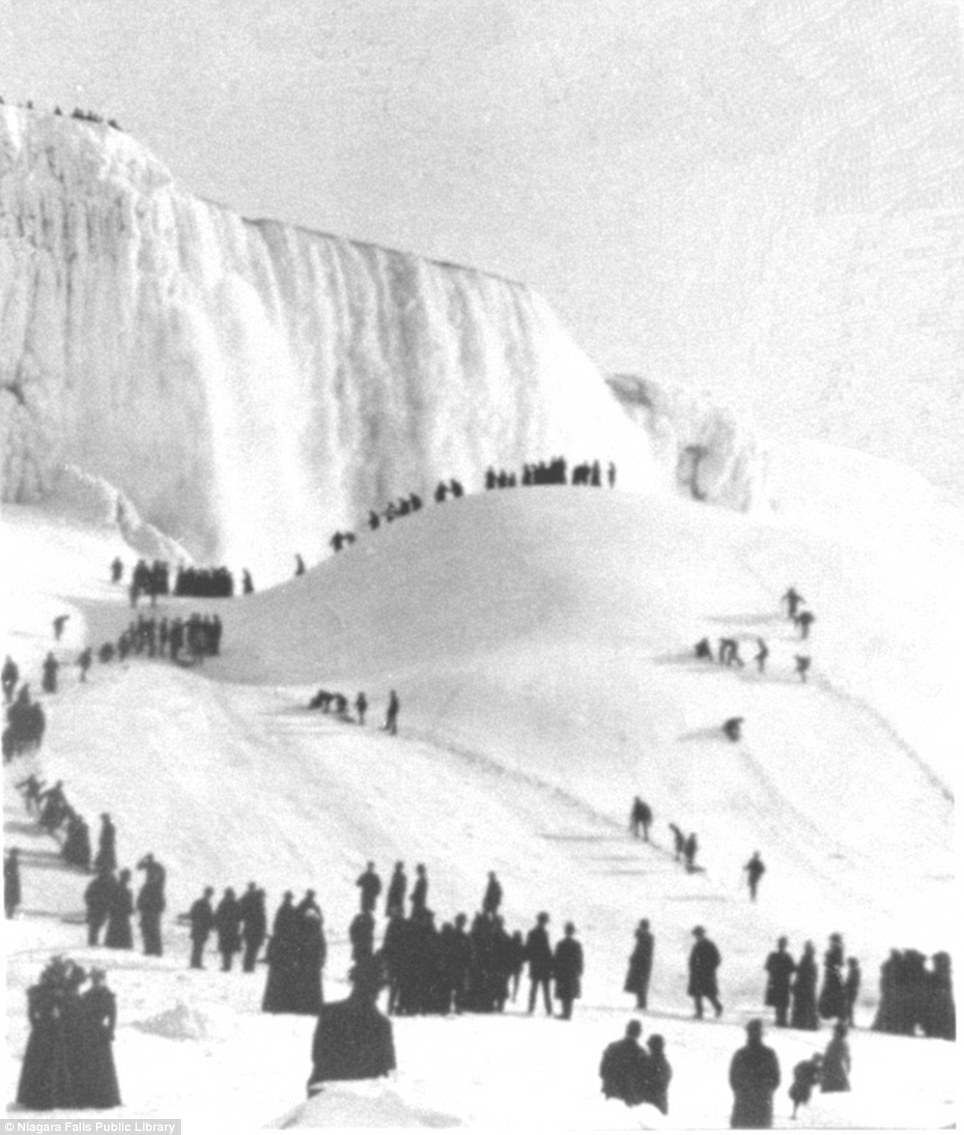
{"x": 252, "y": 386}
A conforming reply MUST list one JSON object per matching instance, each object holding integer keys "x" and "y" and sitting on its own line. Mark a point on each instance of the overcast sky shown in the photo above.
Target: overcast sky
{"x": 645, "y": 164}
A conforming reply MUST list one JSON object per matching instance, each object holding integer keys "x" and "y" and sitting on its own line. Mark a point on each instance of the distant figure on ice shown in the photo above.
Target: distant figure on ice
{"x": 538, "y": 953}
{"x": 832, "y": 1003}
{"x": 151, "y": 904}
{"x": 754, "y": 869}
{"x": 793, "y": 599}
{"x": 107, "y": 844}
{"x": 116, "y": 570}
{"x": 227, "y": 922}
{"x": 806, "y": 1076}
{"x": 835, "y": 1076}
{"x": 761, "y": 656}
{"x": 299, "y": 564}
{"x": 754, "y": 1077}
{"x": 611, "y": 475}
{"x": 11, "y": 882}
{"x": 254, "y": 925}
{"x": 567, "y": 967}
{"x": 247, "y": 583}
{"x": 703, "y": 650}
{"x": 419, "y": 896}
{"x": 84, "y": 662}
{"x": 804, "y": 1012}
{"x": 9, "y": 677}
{"x": 704, "y": 961}
{"x": 780, "y": 968}
{"x": 51, "y": 666}
{"x": 732, "y": 728}
{"x": 391, "y": 717}
{"x": 679, "y": 842}
{"x": 802, "y": 665}
{"x": 98, "y": 896}
{"x": 201, "y": 916}
{"x": 397, "y": 890}
{"x": 803, "y": 623}
{"x": 370, "y": 885}
{"x": 640, "y": 964}
{"x": 641, "y": 816}
{"x": 353, "y": 1039}
{"x": 729, "y": 652}
{"x": 59, "y": 623}
{"x": 690, "y": 848}
{"x": 361, "y": 707}
{"x": 851, "y": 989}
{"x": 492, "y": 899}
{"x": 624, "y": 1068}
{"x": 120, "y": 936}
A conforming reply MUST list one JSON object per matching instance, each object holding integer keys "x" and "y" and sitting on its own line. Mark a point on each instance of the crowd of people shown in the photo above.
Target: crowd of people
{"x": 76, "y": 113}
{"x": 26, "y": 721}
{"x": 552, "y": 472}
{"x": 336, "y": 704}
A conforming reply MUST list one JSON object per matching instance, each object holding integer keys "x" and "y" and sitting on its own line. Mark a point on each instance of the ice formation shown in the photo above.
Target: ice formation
{"x": 252, "y": 386}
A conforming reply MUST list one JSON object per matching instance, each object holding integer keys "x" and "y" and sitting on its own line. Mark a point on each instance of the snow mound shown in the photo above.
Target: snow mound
{"x": 362, "y": 1104}
{"x": 179, "y": 1023}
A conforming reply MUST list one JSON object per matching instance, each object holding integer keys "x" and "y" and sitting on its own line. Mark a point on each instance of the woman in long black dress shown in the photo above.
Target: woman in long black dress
{"x": 99, "y": 1019}
{"x": 50, "y": 1077}
{"x": 120, "y": 935}
{"x": 803, "y": 1015}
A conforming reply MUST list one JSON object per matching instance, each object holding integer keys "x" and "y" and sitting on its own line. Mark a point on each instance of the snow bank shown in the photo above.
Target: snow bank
{"x": 179, "y": 1023}
{"x": 365, "y": 1104}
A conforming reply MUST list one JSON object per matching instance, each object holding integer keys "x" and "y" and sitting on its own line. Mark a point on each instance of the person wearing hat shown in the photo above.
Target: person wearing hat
{"x": 201, "y": 916}
{"x": 567, "y": 966}
{"x": 780, "y": 968}
{"x": 704, "y": 961}
{"x": 99, "y": 1016}
{"x": 624, "y": 1068}
{"x": 835, "y": 1074}
{"x": 353, "y": 1040}
{"x": 107, "y": 844}
{"x": 538, "y": 953}
{"x": 754, "y": 1077}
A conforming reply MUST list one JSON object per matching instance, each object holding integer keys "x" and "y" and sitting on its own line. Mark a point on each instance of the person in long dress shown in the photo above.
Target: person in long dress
{"x": 99, "y": 1020}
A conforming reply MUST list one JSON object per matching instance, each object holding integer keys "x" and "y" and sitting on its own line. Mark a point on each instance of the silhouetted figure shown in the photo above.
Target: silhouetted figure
{"x": 803, "y": 622}
{"x": 679, "y": 842}
{"x": 227, "y": 922}
{"x": 201, "y": 916}
{"x": 353, "y": 1040}
{"x": 640, "y": 817}
{"x": 370, "y": 885}
{"x": 9, "y": 677}
{"x": 690, "y": 848}
{"x": 624, "y": 1068}
{"x": 299, "y": 564}
{"x": 492, "y": 898}
{"x": 419, "y": 897}
{"x": 120, "y": 936}
{"x": 441, "y": 492}
{"x": 11, "y": 882}
{"x": 247, "y": 583}
{"x": 50, "y": 668}
{"x": 851, "y": 989}
{"x": 98, "y": 1015}
{"x": 567, "y": 967}
{"x": 84, "y": 662}
{"x": 640, "y": 965}
{"x": 754, "y": 869}
{"x": 98, "y": 897}
{"x": 361, "y": 707}
{"x": 455, "y": 488}
{"x": 832, "y": 1002}
{"x": 704, "y": 961}
{"x": 151, "y": 904}
{"x": 802, "y": 665}
{"x": 835, "y": 1075}
{"x": 538, "y": 953}
{"x": 659, "y": 1075}
{"x": 397, "y": 890}
{"x": 729, "y": 652}
{"x": 703, "y": 650}
{"x": 804, "y": 1012}
{"x": 793, "y": 599}
{"x": 116, "y": 570}
{"x": 107, "y": 844}
{"x": 761, "y": 656}
{"x": 733, "y": 728}
{"x": 361, "y": 935}
{"x": 780, "y": 968}
{"x": 754, "y": 1077}
{"x": 59, "y": 622}
{"x": 806, "y": 1076}
{"x": 391, "y": 717}
{"x": 611, "y": 475}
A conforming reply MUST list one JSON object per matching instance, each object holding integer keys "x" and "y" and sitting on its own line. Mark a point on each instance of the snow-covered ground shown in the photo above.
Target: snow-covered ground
{"x": 540, "y": 641}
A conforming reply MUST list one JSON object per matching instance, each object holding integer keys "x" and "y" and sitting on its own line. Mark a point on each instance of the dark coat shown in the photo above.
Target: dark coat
{"x": 804, "y": 1012}
{"x": 353, "y": 1041}
{"x": 49, "y": 1076}
{"x": 567, "y": 969}
{"x": 640, "y": 964}
{"x": 98, "y": 896}
{"x": 704, "y": 961}
{"x": 658, "y": 1075}
{"x": 538, "y": 953}
{"x": 120, "y": 936}
{"x": 99, "y": 1009}
{"x": 624, "y": 1071}
{"x": 780, "y": 967}
{"x": 835, "y": 1076}
{"x": 227, "y": 921}
{"x": 106, "y": 852}
{"x": 754, "y": 1077}
{"x": 396, "y": 892}
{"x": 11, "y": 881}
{"x": 201, "y": 915}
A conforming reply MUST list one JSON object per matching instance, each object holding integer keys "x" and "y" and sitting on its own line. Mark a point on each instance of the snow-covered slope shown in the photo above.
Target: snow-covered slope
{"x": 540, "y": 641}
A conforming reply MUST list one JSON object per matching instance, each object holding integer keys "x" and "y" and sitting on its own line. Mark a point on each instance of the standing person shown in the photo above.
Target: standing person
{"x": 361, "y": 934}
{"x": 311, "y": 951}
{"x": 50, "y": 668}
{"x": 11, "y": 882}
{"x": 761, "y": 656}
{"x": 567, "y": 967}
{"x": 835, "y": 1075}
{"x": 624, "y": 1068}
{"x": 538, "y": 953}
{"x": 47, "y": 1076}
{"x": 279, "y": 988}
{"x": 201, "y": 916}
{"x": 107, "y": 844}
{"x": 704, "y": 961}
{"x": 98, "y": 897}
{"x": 640, "y": 964}
{"x": 804, "y": 1012}
{"x": 804, "y": 621}
{"x": 640, "y": 817}
{"x": 832, "y": 1003}
{"x": 361, "y": 707}
{"x": 780, "y": 968}
{"x": 60, "y": 621}
{"x": 227, "y": 922}
{"x": 254, "y": 925}
{"x": 793, "y": 599}
{"x": 151, "y": 904}
{"x": 299, "y": 564}
{"x": 659, "y": 1074}
{"x": 492, "y": 899}
{"x": 690, "y": 848}
{"x": 754, "y": 1077}
{"x": 9, "y": 677}
{"x": 99, "y": 1019}
{"x": 353, "y": 1039}
{"x": 397, "y": 890}
{"x": 851, "y": 989}
{"x": 119, "y": 935}
{"x": 679, "y": 842}
{"x": 391, "y": 717}
{"x": 419, "y": 899}
{"x": 370, "y": 885}
{"x": 754, "y": 869}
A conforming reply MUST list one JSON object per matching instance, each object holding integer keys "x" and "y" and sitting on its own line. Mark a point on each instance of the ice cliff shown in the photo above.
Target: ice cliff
{"x": 252, "y": 386}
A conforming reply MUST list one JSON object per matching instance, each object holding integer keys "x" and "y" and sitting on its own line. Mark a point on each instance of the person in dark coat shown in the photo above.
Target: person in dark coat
{"x": 397, "y": 890}
{"x": 370, "y": 886}
{"x": 658, "y": 1075}
{"x": 851, "y": 989}
{"x": 361, "y": 934}
{"x": 107, "y": 844}
{"x": 98, "y": 896}
{"x": 353, "y": 1040}
{"x": 793, "y": 599}
{"x": 806, "y": 1076}
{"x": 99, "y": 1019}
{"x": 567, "y": 967}
{"x": 151, "y": 904}
{"x": 391, "y": 717}
{"x": 50, "y": 668}
{"x": 254, "y": 925}
{"x": 640, "y": 818}
{"x": 780, "y": 968}
{"x": 704, "y": 961}
{"x": 120, "y": 936}
{"x": 804, "y": 1012}
{"x": 419, "y": 897}
{"x": 690, "y": 848}
{"x": 754, "y": 1077}
{"x": 624, "y": 1067}
{"x": 538, "y": 953}
{"x": 201, "y": 916}
{"x": 49, "y": 1076}
{"x": 754, "y": 869}
{"x": 492, "y": 899}
{"x": 832, "y": 1003}
{"x": 310, "y": 953}
{"x": 279, "y": 993}
{"x": 227, "y": 922}
{"x": 11, "y": 882}
{"x": 835, "y": 1076}
{"x": 640, "y": 964}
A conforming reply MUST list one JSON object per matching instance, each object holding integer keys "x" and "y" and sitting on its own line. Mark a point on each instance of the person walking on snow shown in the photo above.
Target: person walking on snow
{"x": 761, "y": 656}
{"x": 641, "y": 816}
{"x": 754, "y": 873}
{"x": 704, "y": 961}
{"x": 803, "y": 623}
{"x": 793, "y": 599}
{"x": 391, "y": 717}
{"x": 754, "y": 1077}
